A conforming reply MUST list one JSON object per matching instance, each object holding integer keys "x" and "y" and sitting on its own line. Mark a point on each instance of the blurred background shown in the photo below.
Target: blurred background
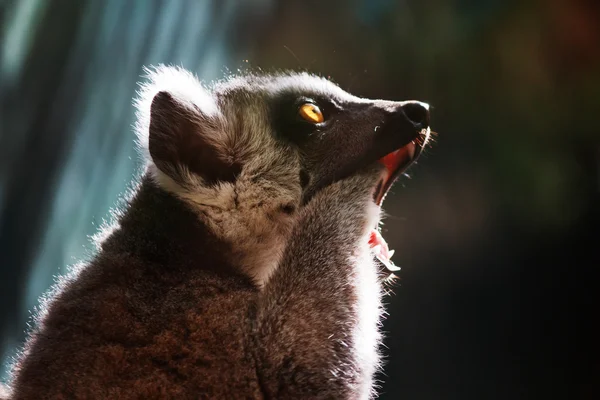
{"x": 496, "y": 231}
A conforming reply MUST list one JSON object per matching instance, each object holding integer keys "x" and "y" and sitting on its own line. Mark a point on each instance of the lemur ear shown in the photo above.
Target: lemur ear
{"x": 182, "y": 140}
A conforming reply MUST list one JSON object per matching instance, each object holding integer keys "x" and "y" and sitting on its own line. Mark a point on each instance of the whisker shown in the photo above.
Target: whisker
{"x": 292, "y": 53}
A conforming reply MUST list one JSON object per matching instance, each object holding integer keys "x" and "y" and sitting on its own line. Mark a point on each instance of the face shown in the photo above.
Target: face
{"x": 327, "y": 131}
{"x": 275, "y": 141}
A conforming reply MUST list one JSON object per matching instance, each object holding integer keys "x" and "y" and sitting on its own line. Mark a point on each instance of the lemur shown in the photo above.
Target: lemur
{"x": 247, "y": 262}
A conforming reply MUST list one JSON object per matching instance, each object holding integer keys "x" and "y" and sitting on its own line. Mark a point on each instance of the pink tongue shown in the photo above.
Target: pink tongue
{"x": 381, "y": 250}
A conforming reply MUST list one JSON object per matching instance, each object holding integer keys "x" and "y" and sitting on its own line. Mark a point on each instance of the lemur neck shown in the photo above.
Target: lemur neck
{"x": 250, "y": 232}
{"x": 162, "y": 230}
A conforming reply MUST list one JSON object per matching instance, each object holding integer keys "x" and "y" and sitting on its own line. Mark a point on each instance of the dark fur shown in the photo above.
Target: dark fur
{"x": 133, "y": 323}
{"x": 301, "y": 306}
{"x": 159, "y": 314}
{"x": 168, "y": 308}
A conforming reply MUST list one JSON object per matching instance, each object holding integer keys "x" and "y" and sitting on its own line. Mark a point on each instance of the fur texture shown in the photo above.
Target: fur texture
{"x": 240, "y": 266}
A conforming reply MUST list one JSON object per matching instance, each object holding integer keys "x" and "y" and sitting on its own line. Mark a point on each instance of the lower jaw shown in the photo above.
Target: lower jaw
{"x": 395, "y": 163}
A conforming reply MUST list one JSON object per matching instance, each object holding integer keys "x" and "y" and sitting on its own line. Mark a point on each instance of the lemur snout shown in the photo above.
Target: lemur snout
{"x": 407, "y": 129}
{"x": 404, "y": 122}
{"x": 417, "y": 113}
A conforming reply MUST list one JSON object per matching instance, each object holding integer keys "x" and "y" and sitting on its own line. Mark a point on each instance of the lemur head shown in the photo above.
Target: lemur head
{"x": 249, "y": 151}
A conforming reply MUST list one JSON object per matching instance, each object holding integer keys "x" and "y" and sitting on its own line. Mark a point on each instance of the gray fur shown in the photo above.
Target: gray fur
{"x": 245, "y": 273}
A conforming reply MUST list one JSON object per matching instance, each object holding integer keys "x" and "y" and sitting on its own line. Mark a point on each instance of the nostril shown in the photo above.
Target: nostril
{"x": 417, "y": 113}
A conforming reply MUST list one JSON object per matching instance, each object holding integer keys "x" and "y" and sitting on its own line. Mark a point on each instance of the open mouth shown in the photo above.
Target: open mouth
{"x": 395, "y": 164}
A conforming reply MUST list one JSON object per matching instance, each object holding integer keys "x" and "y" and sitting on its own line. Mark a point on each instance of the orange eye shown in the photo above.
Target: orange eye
{"x": 311, "y": 113}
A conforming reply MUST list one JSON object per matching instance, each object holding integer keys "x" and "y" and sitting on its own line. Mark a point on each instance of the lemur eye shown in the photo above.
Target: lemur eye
{"x": 311, "y": 113}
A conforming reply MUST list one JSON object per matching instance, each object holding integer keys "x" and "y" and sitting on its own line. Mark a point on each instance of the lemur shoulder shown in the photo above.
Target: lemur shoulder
{"x": 247, "y": 262}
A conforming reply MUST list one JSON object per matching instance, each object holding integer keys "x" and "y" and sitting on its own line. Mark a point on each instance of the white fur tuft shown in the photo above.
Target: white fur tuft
{"x": 180, "y": 83}
{"x": 369, "y": 309}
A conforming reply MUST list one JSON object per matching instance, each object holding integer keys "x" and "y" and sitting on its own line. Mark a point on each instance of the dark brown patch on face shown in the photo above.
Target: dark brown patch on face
{"x": 353, "y": 135}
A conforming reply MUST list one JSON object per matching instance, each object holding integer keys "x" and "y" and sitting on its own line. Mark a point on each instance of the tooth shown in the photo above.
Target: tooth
{"x": 391, "y": 253}
{"x": 376, "y": 250}
{"x": 388, "y": 264}
{"x": 391, "y": 267}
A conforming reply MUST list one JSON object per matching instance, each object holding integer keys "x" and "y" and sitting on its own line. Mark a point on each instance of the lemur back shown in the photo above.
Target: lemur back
{"x": 247, "y": 262}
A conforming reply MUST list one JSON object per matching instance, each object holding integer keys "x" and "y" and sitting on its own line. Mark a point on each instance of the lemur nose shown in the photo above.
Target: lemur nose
{"x": 417, "y": 112}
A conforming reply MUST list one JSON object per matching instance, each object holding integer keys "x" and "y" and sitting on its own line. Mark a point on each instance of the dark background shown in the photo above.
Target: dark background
{"x": 497, "y": 232}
